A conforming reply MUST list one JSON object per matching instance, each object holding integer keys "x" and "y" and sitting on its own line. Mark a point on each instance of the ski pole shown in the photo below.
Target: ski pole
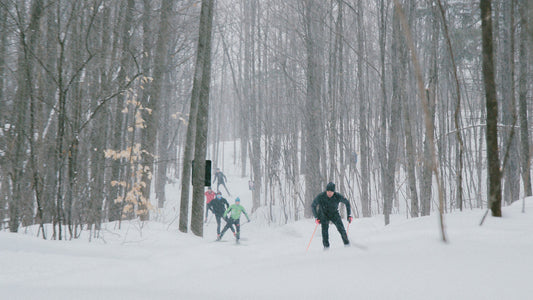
{"x": 348, "y": 229}
{"x": 316, "y": 226}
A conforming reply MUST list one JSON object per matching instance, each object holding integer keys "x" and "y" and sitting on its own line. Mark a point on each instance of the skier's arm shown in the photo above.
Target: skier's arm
{"x": 313, "y": 207}
{"x": 244, "y": 211}
{"x": 348, "y": 207}
{"x": 227, "y": 211}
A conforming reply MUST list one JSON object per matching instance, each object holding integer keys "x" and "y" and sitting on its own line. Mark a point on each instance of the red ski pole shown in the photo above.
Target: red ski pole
{"x": 311, "y": 238}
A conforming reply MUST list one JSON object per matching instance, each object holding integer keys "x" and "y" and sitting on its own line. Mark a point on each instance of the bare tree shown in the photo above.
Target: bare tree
{"x": 364, "y": 107}
{"x": 510, "y": 175}
{"x": 427, "y": 166}
{"x": 28, "y": 45}
{"x": 312, "y": 111}
{"x": 201, "y": 82}
{"x": 398, "y": 91}
{"x": 495, "y": 191}
{"x": 118, "y": 141}
{"x": 522, "y": 95}
{"x": 154, "y": 103}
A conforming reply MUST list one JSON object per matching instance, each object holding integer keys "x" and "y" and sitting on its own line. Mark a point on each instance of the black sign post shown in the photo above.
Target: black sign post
{"x": 207, "y": 177}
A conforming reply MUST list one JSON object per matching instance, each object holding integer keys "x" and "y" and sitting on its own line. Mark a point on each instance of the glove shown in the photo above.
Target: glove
{"x": 205, "y": 220}
{"x": 350, "y": 219}
{"x": 248, "y": 220}
{"x": 317, "y": 221}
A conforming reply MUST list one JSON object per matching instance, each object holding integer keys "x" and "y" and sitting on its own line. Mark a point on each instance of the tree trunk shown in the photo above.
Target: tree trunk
{"x": 3, "y": 50}
{"x": 333, "y": 98}
{"x": 384, "y": 116}
{"x": 200, "y": 147}
{"x": 427, "y": 167}
{"x": 364, "y": 150}
{"x": 190, "y": 138}
{"x": 522, "y": 95}
{"x": 312, "y": 109}
{"x": 117, "y": 170}
{"x": 411, "y": 158}
{"x": 398, "y": 85}
{"x": 28, "y": 44}
{"x": 457, "y": 113}
{"x": 152, "y": 116}
{"x": 511, "y": 169}
{"x": 495, "y": 191}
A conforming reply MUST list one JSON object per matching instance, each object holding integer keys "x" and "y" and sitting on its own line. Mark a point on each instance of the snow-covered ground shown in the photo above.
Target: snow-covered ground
{"x": 405, "y": 260}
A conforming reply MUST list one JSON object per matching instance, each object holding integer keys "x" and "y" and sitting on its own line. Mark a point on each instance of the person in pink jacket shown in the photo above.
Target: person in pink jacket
{"x": 209, "y": 196}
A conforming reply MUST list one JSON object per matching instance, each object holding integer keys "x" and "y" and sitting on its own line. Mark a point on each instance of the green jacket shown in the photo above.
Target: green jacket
{"x": 236, "y": 210}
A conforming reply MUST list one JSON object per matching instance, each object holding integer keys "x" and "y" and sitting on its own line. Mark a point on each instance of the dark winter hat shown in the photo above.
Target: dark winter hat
{"x": 237, "y": 199}
{"x": 330, "y": 187}
{"x": 219, "y": 193}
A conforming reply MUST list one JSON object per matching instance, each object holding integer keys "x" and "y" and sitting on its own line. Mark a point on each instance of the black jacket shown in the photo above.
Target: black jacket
{"x": 218, "y": 206}
{"x": 325, "y": 208}
{"x": 220, "y": 177}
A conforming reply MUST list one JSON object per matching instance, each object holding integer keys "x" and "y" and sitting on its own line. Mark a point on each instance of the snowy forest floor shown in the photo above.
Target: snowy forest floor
{"x": 405, "y": 260}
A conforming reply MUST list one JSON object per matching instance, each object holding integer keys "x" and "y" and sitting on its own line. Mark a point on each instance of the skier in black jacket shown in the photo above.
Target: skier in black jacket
{"x": 220, "y": 178}
{"x": 326, "y": 208}
{"x": 218, "y": 206}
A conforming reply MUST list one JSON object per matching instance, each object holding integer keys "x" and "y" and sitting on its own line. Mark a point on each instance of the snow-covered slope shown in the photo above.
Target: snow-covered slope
{"x": 405, "y": 260}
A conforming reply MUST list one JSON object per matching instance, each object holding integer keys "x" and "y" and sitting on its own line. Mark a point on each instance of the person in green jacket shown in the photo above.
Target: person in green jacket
{"x": 234, "y": 218}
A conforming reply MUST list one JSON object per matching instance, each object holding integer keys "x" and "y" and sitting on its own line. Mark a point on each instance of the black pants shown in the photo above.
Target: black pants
{"x": 224, "y": 184}
{"x": 340, "y": 227}
{"x": 229, "y": 225}
{"x": 218, "y": 217}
